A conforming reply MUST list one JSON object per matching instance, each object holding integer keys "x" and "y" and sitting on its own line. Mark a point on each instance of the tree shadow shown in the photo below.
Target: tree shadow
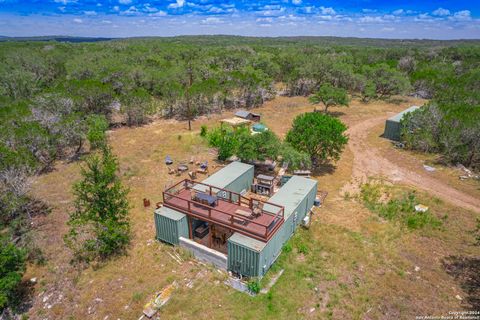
{"x": 324, "y": 169}
{"x": 336, "y": 114}
{"x": 466, "y": 270}
{"x": 23, "y": 297}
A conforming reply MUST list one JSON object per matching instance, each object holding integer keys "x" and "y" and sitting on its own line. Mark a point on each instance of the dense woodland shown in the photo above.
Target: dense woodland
{"x": 57, "y": 99}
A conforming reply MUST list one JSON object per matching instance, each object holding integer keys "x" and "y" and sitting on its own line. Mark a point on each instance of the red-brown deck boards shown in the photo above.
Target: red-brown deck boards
{"x": 217, "y": 213}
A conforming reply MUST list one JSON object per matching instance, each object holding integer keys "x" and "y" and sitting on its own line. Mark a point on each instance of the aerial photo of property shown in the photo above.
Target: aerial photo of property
{"x": 209, "y": 159}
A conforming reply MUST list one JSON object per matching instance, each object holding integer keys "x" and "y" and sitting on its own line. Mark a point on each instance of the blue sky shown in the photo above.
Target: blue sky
{"x": 434, "y": 19}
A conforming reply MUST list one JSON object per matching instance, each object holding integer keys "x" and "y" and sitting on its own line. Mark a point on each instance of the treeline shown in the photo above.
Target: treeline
{"x": 450, "y": 123}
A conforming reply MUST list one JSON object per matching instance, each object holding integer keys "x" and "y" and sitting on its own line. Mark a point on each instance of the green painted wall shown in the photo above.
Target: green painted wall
{"x": 170, "y": 225}
{"x": 393, "y": 126}
{"x": 253, "y": 258}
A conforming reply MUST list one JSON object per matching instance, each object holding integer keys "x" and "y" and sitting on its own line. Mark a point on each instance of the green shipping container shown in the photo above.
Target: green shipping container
{"x": 393, "y": 127}
{"x": 170, "y": 225}
{"x": 253, "y": 258}
{"x": 244, "y": 255}
{"x": 236, "y": 177}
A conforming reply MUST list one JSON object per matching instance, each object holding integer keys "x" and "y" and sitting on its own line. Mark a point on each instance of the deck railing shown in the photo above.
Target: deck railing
{"x": 232, "y": 220}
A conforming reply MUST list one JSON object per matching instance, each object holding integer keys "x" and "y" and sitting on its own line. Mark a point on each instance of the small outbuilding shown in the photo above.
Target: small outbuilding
{"x": 393, "y": 128}
{"x": 236, "y": 122}
{"x": 244, "y": 114}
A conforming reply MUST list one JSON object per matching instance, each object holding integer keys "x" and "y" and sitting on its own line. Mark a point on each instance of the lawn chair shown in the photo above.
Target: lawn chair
{"x": 203, "y": 171}
{"x": 172, "y": 171}
{"x": 192, "y": 175}
{"x": 257, "y": 210}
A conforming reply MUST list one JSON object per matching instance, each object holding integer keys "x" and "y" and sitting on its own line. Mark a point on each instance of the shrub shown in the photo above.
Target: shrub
{"x": 253, "y": 286}
{"x": 287, "y": 248}
{"x": 203, "y": 131}
{"x": 303, "y": 248}
{"x": 12, "y": 267}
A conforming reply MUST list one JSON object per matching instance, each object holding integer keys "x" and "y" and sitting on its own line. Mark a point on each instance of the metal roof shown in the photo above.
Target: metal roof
{"x": 398, "y": 117}
{"x": 242, "y": 113}
{"x": 228, "y": 174}
{"x": 246, "y": 241}
{"x": 235, "y": 122}
{"x": 170, "y": 213}
{"x": 291, "y": 194}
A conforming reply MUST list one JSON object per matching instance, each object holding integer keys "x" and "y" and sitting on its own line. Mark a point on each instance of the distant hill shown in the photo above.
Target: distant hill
{"x": 232, "y": 40}
{"x": 55, "y": 38}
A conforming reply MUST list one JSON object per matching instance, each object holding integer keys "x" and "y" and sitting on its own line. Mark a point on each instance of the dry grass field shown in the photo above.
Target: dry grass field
{"x": 350, "y": 264}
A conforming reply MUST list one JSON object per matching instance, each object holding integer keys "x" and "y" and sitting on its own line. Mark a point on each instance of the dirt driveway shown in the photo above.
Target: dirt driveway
{"x": 369, "y": 162}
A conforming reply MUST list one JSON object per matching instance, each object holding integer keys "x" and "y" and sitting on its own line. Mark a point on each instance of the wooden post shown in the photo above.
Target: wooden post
{"x": 211, "y": 235}
{"x": 190, "y": 232}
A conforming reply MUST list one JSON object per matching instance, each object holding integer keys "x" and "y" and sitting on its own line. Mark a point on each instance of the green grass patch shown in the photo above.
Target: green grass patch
{"x": 397, "y": 206}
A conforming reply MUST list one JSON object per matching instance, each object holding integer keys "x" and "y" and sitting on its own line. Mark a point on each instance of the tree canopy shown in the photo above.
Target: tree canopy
{"x": 319, "y": 135}
{"x": 99, "y": 226}
{"x": 330, "y": 96}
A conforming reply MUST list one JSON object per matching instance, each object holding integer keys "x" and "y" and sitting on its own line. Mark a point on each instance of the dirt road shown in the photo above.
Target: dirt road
{"x": 369, "y": 162}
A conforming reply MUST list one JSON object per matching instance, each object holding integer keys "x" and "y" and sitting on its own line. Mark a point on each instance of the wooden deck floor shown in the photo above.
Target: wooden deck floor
{"x": 256, "y": 226}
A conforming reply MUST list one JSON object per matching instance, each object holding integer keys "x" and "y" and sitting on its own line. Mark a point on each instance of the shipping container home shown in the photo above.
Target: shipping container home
{"x": 236, "y": 177}
{"x": 252, "y": 258}
{"x": 216, "y": 214}
{"x": 170, "y": 225}
{"x": 393, "y": 127}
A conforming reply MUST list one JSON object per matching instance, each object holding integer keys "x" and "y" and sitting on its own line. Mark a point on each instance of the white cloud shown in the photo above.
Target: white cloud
{"x": 107, "y": 21}
{"x": 398, "y": 12}
{"x": 77, "y": 20}
{"x": 297, "y": 2}
{"x": 211, "y": 20}
{"x": 371, "y": 19}
{"x": 326, "y": 17}
{"x": 130, "y": 11}
{"x": 125, "y": 1}
{"x": 388, "y": 29}
{"x": 178, "y": 4}
{"x": 327, "y": 10}
{"x": 116, "y": 8}
{"x": 369, "y": 10}
{"x": 159, "y": 13}
{"x": 65, "y": 2}
{"x": 441, "y": 12}
{"x": 148, "y": 8}
{"x": 464, "y": 15}
{"x": 90, "y": 13}
{"x": 269, "y": 20}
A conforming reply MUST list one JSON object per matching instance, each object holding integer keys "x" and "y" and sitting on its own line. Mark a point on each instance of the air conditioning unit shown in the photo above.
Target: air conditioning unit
{"x": 306, "y": 221}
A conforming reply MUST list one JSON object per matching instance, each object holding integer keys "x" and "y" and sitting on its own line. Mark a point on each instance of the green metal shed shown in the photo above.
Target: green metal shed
{"x": 236, "y": 177}
{"x": 170, "y": 225}
{"x": 253, "y": 258}
{"x": 393, "y": 127}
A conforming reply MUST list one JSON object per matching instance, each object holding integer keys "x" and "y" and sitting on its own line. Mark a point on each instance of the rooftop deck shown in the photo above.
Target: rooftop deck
{"x": 232, "y": 210}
